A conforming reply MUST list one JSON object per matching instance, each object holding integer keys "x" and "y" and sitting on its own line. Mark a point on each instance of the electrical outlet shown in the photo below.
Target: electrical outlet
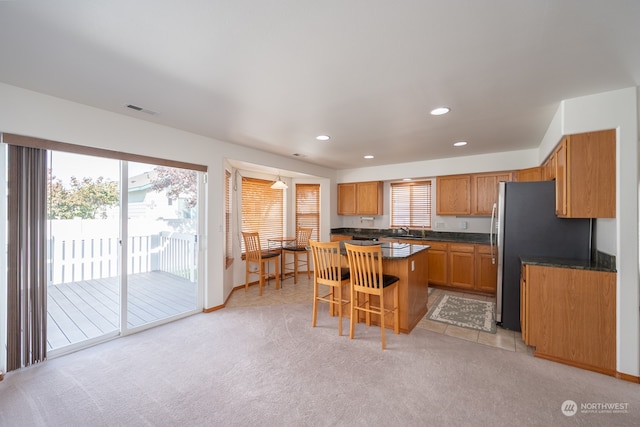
{"x": 463, "y": 225}
{"x": 440, "y": 225}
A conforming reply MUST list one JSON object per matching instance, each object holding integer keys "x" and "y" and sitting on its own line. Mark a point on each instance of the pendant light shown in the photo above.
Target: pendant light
{"x": 279, "y": 184}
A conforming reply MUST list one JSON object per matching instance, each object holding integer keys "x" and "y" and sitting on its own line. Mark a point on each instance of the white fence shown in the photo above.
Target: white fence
{"x": 73, "y": 260}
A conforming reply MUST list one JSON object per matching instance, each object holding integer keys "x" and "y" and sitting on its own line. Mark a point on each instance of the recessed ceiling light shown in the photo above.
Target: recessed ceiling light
{"x": 368, "y": 156}
{"x": 460, "y": 143}
{"x": 440, "y": 111}
{"x": 323, "y": 137}
{"x": 406, "y": 179}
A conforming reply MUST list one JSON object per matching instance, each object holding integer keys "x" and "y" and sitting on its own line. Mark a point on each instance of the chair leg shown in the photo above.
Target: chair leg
{"x": 277, "y": 262}
{"x": 353, "y": 313}
{"x": 382, "y": 316}
{"x": 396, "y": 317}
{"x": 261, "y": 277}
{"x": 339, "y": 310}
{"x": 246, "y": 277}
{"x": 315, "y": 304}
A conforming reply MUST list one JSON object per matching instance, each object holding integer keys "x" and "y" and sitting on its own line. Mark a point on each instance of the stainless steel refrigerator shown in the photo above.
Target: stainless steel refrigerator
{"x": 524, "y": 223}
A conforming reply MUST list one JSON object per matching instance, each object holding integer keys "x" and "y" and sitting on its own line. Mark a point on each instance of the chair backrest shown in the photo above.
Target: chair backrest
{"x": 365, "y": 265}
{"x": 302, "y": 237}
{"x": 253, "y": 251}
{"x": 326, "y": 262}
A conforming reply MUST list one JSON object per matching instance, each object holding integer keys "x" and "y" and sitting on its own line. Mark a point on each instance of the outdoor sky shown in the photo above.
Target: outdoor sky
{"x": 66, "y": 165}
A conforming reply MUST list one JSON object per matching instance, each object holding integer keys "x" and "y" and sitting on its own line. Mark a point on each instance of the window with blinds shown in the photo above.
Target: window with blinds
{"x": 308, "y": 208}
{"x": 262, "y": 210}
{"x": 228, "y": 238}
{"x": 411, "y": 204}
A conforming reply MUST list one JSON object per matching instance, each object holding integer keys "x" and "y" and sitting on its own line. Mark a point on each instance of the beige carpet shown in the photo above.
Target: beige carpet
{"x": 266, "y": 366}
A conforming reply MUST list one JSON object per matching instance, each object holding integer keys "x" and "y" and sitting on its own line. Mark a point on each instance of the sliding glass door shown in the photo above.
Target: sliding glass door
{"x": 120, "y": 257}
{"x": 162, "y": 247}
{"x": 83, "y": 286}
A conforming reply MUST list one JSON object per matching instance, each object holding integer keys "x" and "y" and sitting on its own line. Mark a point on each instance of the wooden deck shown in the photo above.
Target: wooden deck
{"x": 79, "y": 311}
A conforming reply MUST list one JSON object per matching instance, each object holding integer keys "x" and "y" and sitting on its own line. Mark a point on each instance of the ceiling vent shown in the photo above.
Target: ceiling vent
{"x": 143, "y": 110}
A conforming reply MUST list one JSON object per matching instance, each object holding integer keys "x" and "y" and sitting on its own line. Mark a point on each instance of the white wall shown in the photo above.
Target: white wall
{"x": 33, "y": 114}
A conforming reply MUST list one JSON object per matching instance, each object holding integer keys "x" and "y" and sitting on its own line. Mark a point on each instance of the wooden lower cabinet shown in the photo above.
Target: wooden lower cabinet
{"x": 438, "y": 263}
{"x": 462, "y": 265}
{"x": 569, "y": 316}
{"x": 339, "y": 237}
{"x": 486, "y": 269}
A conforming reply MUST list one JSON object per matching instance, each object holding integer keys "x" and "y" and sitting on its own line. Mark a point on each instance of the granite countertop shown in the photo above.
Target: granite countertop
{"x": 569, "y": 263}
{"x": 389, "y": 250}
{"x": 440, "y": 236}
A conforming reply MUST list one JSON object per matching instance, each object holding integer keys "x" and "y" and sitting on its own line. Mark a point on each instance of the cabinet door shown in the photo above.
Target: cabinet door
{"x": 347, "y": 199}
{"x": 530, "y": 174}
{"x": 453, "y": 195}
{"x": 369, "y": 198}
{"x": 549, "y": 168}
{"x": 339, "y": 237}
{"x": 561, "y": 178}
{"x": 485, "y": 191}
{"x": 486, "y": 270}
{"x": 438, "y": 260}
{"x": 591, "y": 175}
{"x": 461, "y": 265}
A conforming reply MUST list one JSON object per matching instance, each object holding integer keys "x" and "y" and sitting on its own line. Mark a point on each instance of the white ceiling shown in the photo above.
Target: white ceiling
{"x": 274, "y": 74}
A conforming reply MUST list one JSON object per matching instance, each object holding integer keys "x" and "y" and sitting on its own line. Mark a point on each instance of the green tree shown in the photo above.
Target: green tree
{"x": 85, "y": 198}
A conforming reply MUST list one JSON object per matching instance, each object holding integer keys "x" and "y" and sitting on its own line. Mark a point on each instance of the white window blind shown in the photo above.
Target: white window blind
{"x": 411, "y": 204}
{"x": 308, "y": 208}
{"x": 262, "y": 210}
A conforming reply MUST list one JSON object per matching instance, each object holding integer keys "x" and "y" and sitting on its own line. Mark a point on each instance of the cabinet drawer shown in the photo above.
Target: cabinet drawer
{"x": 461, "y": 247}
{"x": 438, "y": 246}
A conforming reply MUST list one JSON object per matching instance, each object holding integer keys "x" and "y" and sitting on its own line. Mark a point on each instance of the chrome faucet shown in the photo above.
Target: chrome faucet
{"x": 406, "y": 230}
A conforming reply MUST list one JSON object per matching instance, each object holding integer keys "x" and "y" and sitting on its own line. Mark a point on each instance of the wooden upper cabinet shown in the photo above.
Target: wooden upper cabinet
{"x": 531, "y": 174}
{"x": 453, "y": 195}
{"x": 586, "y": 175}
{"x": 484, "y": 191}
{"x": 549, "y": 168}
{"x": 347, "y": 199}
{"x": 360, "y": 198}
{"x": 560, "y": 155}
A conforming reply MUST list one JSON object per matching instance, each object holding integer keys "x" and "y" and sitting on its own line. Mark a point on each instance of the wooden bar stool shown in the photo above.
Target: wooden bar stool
{"x": 255, "y": 254}
{"x": 299, "y": 249}
{"x": 367, "y": 279}
{"x": 328, "y": 271}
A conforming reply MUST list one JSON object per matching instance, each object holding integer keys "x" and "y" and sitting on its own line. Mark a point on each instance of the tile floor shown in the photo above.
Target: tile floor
{"x": 302, "y": 292}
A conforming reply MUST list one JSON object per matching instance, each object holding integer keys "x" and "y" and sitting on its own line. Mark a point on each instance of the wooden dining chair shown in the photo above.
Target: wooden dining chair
{"x": 299, "y": 249}
{"x": 255, "y": 254}
{"x": 368, "y": 280}
{"x": 327, "y": 270}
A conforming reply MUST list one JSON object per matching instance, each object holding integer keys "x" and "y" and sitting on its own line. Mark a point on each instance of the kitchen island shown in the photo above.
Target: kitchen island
{"x": 408, "y": 262}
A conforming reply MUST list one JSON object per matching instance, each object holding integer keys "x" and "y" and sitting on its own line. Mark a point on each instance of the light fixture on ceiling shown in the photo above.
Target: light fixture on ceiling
{"x": 323, "y": 137}
{"x": 440, "y": 111}
{"x": 459, "y": 143}
{"x": 368, "y": 156}
{"x": 279, "y": 184}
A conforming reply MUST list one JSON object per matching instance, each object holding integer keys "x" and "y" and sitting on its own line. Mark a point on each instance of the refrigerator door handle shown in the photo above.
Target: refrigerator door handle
{"x": 493, "y": 218}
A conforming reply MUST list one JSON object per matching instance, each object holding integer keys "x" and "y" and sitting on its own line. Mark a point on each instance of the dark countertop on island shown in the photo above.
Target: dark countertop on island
{"x": 441, "y": 236}
{"x": 389, "y": 250}
{"x": 568, "y": 263}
